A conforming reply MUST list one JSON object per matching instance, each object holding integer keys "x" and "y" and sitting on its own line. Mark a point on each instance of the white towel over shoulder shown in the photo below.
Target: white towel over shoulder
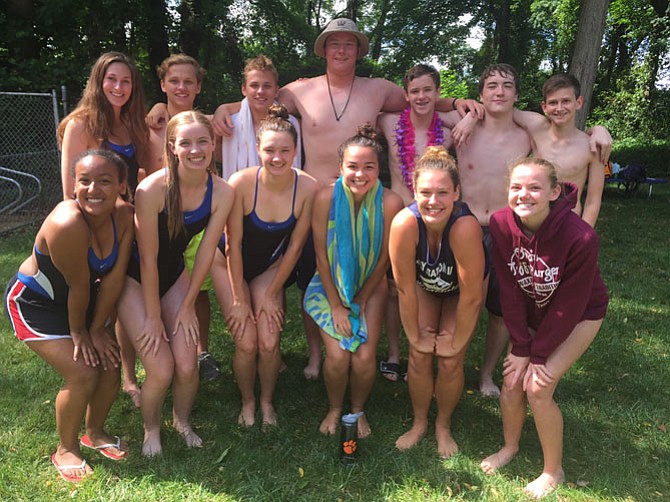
{"x": 239, "y": 150}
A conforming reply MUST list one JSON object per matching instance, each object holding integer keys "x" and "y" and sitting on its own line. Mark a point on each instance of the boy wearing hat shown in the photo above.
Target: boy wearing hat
{"x": 331, "y": 107}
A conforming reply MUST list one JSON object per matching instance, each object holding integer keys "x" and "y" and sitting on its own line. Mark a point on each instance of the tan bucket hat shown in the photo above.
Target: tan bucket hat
{"x": 341, "y": 25}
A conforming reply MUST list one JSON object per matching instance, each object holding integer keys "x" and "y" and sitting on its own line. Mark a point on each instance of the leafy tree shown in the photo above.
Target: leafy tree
{"x": 628, "y": 99}
{"x": 405, "y": 32}
{"x": 44, "y": 44}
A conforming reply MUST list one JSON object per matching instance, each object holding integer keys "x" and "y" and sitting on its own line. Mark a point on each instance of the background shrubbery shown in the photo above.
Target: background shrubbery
{"x": 653, "y": 154}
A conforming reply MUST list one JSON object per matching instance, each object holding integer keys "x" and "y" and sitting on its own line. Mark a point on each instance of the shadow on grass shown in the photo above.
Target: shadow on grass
{"x": 294, "y": 461}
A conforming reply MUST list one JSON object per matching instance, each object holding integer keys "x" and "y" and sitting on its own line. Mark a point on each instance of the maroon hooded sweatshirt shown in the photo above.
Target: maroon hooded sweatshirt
{"x": 550, "y": 281}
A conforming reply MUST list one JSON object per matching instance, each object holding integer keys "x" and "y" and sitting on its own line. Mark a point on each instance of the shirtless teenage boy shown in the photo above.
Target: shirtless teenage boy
{"x": 260, "y": 88}
{"x": 417, "y": 126}
{"x": 331, "y": 107}
{"x": 422, "y": 91}
{"x": 483, "y": 161}
{"x": 555, "y": 137}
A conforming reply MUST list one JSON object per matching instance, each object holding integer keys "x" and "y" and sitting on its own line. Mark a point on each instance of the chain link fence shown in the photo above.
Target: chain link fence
{"x": 30, "y": 184}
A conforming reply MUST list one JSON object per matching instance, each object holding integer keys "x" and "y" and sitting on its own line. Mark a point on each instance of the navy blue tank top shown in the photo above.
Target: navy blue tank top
{"x": 438, "y": 275}
{"x": 264, "y": 243}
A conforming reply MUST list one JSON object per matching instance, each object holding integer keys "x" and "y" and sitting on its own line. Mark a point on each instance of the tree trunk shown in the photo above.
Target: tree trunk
{"x": 377, "y": 35}
{"x": 610, "y": 62}
{"x": 351, "y": 11}
{"x": 22, "y": 19}
{"x": 584, "y": 62}
{"x": 156, "y": 33}
{"x": 659, "y": 43}
{"x": 192, "y": 28}
{"x": 503, "y": 31}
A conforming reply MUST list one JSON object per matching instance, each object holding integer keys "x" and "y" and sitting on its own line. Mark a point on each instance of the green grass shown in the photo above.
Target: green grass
{"x": 616, "y": 404}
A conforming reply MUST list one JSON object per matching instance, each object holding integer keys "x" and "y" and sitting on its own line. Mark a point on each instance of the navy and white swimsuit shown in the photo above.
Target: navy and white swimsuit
{"x": 128, "y": 154}
{"x": 439, "y": 275}
{"x": 171, "y": 251}
{"x": 264, "y": 243}
{"x": 37, "y": 304}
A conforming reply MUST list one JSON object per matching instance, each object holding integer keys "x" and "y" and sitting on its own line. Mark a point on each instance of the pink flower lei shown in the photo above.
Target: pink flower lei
{"x": 404, "y": 138}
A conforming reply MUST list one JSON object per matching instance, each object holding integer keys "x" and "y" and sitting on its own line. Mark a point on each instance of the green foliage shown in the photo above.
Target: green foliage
{"x": 630, "y": 111}
{"x": 653, "y": 154}
{"x": 46, "y": 44}
{"x": 555, "y": 21}
{"x": 452, "y": 86}
{"x": 626, "y": 98}
{"x": 410, "y": 32}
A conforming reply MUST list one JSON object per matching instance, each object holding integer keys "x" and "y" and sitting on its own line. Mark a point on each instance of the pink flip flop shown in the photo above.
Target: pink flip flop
{"x": 70, "y": 478}
{"x": 104, "y": 449}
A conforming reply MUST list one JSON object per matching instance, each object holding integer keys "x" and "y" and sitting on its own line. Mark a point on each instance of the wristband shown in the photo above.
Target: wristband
{"x": 453, "y": 104}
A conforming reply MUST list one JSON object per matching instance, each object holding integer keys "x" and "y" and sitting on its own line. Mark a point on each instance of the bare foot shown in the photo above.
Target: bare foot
{"x": 191, "y": 439}
{"x": 134, "y": 392}
{"x": 446, "y": 446}
{"x": 363, "y": 427}
{"x": 488, "y": 388}
{"x": 499, "y": 459}
{"x": 411, "y": 437}
{"x": 269, "y": 415}
{"x": 544, "y": 485}
{"x": 152, "y": 443}
{"x": 329, "y": 424}
{"x": 311, "y": 371}
{"x": 247, "y": 416}
{"x": 71, "y": 466}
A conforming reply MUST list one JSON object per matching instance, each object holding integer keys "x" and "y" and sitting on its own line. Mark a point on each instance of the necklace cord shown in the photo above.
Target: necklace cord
{"x": 332, "y": 102}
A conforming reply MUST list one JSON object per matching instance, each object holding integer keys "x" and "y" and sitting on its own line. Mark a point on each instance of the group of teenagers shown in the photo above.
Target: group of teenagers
{"x": 123, "y": 265}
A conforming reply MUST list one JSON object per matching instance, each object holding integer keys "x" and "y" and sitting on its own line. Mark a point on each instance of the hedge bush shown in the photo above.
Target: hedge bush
{"x": 653, "y": 154}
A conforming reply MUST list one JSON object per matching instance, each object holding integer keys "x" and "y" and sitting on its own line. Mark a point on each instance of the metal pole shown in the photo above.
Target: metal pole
{"x": 55, "y": 106}
{"x": 63, "y": 93}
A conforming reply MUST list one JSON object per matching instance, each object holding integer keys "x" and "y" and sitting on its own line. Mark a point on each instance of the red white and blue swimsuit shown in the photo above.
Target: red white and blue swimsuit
{"x": 37, "y": 304}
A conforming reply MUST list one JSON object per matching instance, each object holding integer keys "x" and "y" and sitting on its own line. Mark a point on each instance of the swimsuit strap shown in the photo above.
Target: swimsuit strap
{"x": 255, "y": 216}
{"x": 253, "y": 209}
{"x": 114, "y": 228}
{"x": 295, "y": 191}
{"x": 204, "y": 208}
